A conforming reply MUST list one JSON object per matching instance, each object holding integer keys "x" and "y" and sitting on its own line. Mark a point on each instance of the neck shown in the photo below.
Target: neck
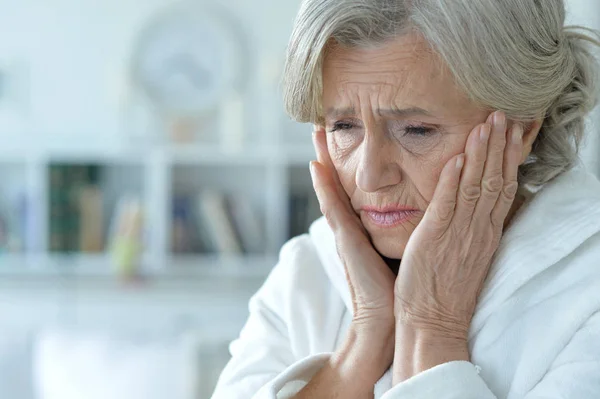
{"x": 393, "y": 264}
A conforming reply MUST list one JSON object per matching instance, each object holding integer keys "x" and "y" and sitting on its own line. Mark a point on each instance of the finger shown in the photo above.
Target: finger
{"x": 322, "y": 151}
{"x": 354, "y": 248}
{"x": 440, "y": 211}
{"x": 512, "y": 160}
{"x": 470, "y": 183}
{"x": 331, "y": 205}
{"x": 320, "y": 144}
{"x": 492, "y": 181}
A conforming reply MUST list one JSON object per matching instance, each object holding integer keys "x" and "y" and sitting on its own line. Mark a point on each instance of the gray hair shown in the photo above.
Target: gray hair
{"x": 511, "y": 55}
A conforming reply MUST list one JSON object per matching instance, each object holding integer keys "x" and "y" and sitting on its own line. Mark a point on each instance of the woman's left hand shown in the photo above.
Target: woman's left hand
{"x": 447, "y": 257}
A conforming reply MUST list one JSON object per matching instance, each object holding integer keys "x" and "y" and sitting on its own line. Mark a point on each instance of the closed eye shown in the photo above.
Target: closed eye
{"x": 418, "y": 130}
{"x": 342, "y": 126}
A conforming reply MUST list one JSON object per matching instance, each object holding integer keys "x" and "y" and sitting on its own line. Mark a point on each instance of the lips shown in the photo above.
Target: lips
{"x": 390, "y": 216}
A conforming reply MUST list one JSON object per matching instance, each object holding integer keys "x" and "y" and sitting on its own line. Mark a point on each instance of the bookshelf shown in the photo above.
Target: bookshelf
{"x": 265, "y": 175}
{"x": 244, "y": 146}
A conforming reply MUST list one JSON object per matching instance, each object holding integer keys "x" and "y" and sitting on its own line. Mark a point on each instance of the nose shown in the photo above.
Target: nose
{"x": 379, "y": 165}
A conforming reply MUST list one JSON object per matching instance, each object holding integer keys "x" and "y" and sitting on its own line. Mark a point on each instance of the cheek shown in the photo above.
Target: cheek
{"x": 345, "y": 164}
{"x": 344, "y": 142}
{"x": 428, "y": 180}
{"x": 433, "y": 164}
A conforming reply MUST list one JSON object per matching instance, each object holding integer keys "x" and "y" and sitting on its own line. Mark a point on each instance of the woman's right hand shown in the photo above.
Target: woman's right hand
{"x": 370, "y": 279}
{"x": 368, "y": 349}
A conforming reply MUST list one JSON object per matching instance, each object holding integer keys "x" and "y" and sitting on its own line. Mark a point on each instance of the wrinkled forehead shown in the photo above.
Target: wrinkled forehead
{"x": 402, "y": 73}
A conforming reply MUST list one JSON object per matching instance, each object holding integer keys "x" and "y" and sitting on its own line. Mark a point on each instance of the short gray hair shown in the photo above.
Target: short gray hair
{"x": 512, "y": 55}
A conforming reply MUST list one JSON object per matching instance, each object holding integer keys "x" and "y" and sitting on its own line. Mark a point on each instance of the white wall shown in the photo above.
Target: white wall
{"x": 587, "y": 13}
{"x": 77, "y": 54}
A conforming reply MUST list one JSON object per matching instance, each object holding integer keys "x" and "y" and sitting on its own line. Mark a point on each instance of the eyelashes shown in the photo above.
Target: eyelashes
{"x": 337, "y": 126}
{"x": 408, "y": 130}
{"x": 419, "y": 130}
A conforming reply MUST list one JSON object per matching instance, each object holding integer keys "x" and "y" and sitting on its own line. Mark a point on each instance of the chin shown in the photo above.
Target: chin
{"x": 390, "y": 241}
{"x": 391, "y": 246}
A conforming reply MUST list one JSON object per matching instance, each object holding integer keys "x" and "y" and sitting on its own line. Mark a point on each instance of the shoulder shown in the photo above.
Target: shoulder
{"x": 298, "y": 266}
{"x": 299, "y": 292}
{"x": 308, "y": 262}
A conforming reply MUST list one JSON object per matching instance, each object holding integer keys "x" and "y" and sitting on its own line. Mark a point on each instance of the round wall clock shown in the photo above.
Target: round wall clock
{"x": 188, "y": 58}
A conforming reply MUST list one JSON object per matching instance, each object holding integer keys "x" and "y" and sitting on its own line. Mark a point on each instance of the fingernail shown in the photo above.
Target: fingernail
{"x": 499, "y": 119}
{"x": 484, "y": 133}
{"x": 517, "y": 135}
{"x": 460, "y": 161}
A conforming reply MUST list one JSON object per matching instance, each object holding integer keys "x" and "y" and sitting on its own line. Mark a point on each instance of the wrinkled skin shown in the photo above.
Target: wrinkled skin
{"x": 395, "y": 127}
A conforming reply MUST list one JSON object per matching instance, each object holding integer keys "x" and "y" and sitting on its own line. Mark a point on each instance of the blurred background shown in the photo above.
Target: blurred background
{"x": 148, "y": 178}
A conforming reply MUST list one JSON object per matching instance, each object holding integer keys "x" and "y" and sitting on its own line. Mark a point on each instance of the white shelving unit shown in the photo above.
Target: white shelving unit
{"x": 85, "y": 112}
{"x": 262, "y": 172}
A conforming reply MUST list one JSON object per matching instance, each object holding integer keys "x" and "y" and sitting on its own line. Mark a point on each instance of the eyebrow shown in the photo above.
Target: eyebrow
{"x": 397, "y": 113}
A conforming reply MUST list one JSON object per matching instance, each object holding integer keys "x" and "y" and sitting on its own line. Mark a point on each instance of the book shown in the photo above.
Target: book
{"x": 213, "y": 216}
{"x": 57, "y": 208}
{"x": 205, "y": 242}
{"x": 91, "y": 229}
{"x": 247, "y": 224}
{"x": 127, "y": 235}
{"x": 183, "y": 238}
{"x": 66, "y": 183}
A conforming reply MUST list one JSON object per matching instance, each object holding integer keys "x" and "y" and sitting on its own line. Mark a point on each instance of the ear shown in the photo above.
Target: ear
{"x": 531, "y": 131}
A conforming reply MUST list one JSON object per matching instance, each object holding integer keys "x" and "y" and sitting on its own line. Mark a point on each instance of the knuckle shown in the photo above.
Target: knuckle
{"x": 510, "y": 189}
{"x": 493, "y": 184}
{"x": 497, "y": 223}
{"x": 471, "y": 193}
{"x": 443, "y": 212}
{"x": 500, "y": 146}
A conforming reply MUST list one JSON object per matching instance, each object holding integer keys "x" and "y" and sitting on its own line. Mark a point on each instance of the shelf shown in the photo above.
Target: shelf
{"x": 21, "y": 265}
{"x": 254, "y": 266}
{"x": 215, "y": 155}
{"x": 98, "y": 155}
{"x": 211, "y": 155}
{"x": 75, "y": 154}
{"x": 9, "y": 158}
{"x": 177, "y": 155}
{"x": 197, "y": 267}
{"x": 259, "y": 174}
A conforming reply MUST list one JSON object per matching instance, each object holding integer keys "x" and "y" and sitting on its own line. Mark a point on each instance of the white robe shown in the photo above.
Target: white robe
{"x": 535, "y": 333}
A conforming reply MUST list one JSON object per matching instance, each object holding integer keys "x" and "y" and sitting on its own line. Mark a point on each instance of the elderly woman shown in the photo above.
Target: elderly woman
{"x": 459, "y": 255}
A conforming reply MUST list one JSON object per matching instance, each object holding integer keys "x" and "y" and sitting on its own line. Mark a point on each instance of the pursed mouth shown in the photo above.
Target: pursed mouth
{"x": 389, "y": 218}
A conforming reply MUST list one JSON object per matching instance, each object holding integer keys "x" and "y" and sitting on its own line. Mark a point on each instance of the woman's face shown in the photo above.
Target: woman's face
{"x": 394, "y": 117}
